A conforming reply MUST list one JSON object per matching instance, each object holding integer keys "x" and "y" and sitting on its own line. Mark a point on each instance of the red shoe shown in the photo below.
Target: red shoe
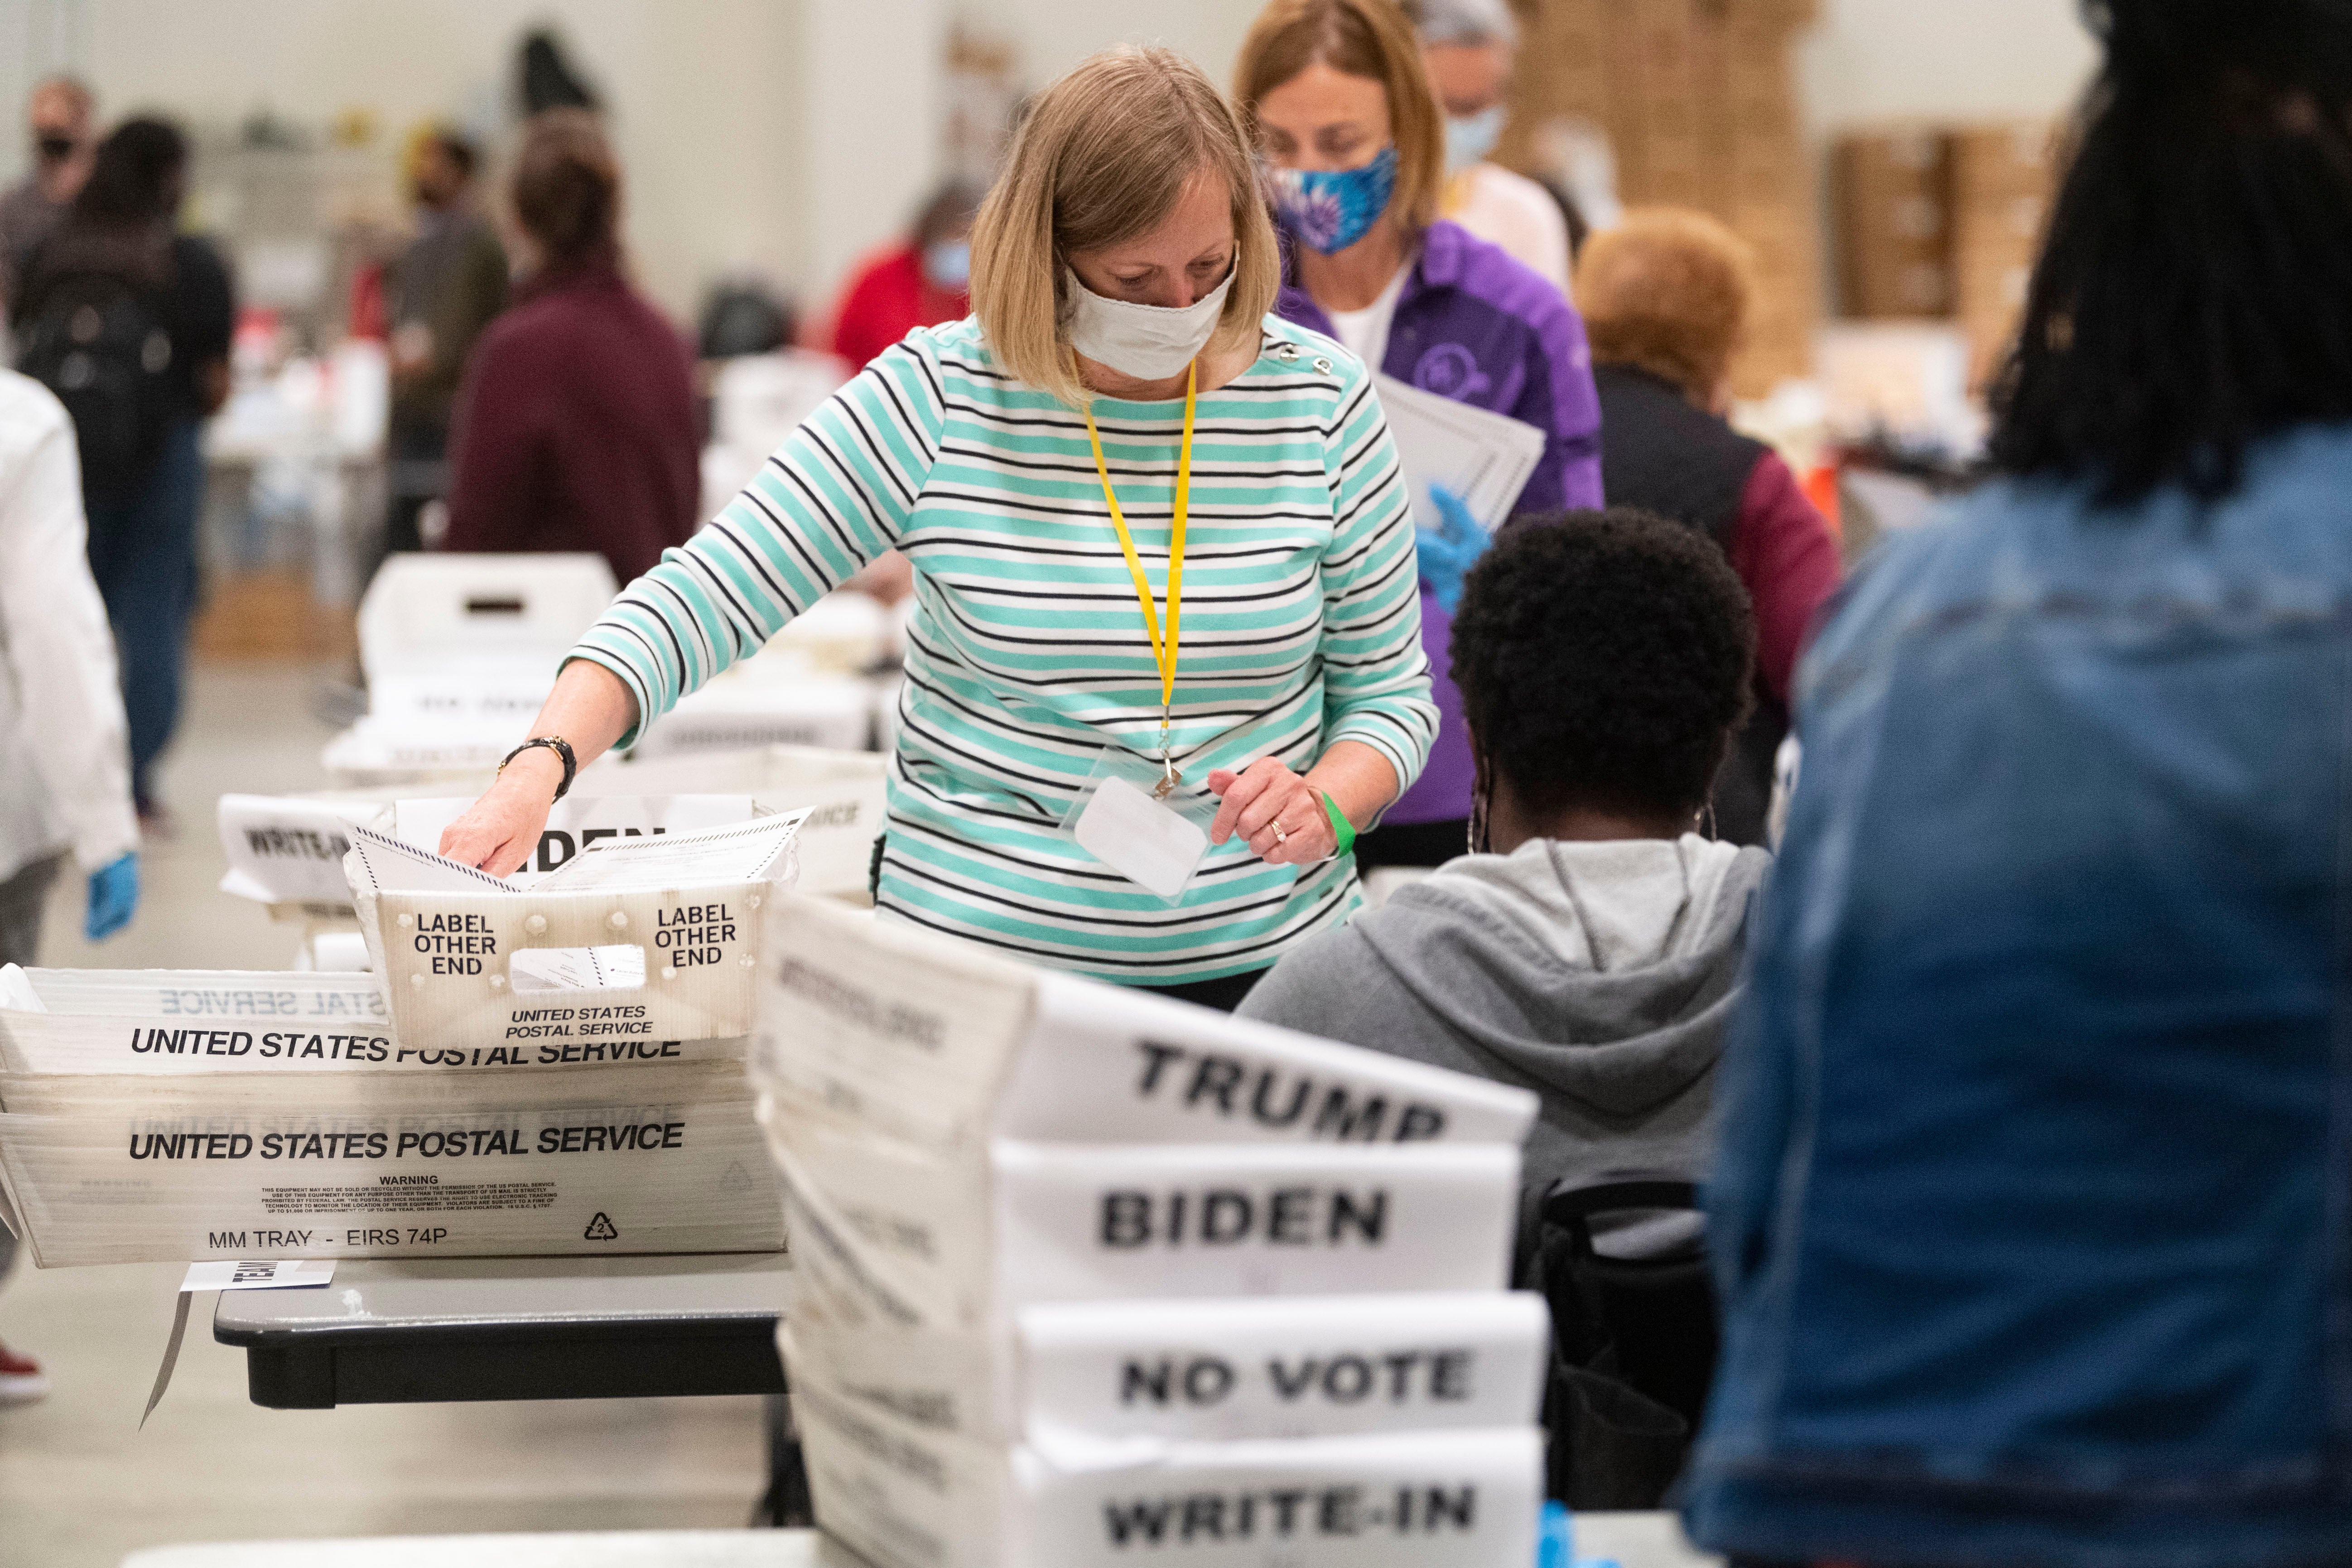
{"x": 22, "y": 1381}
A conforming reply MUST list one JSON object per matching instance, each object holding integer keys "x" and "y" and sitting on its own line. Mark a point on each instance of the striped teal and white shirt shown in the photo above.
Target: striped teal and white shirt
{"x": 1028, "y": 654}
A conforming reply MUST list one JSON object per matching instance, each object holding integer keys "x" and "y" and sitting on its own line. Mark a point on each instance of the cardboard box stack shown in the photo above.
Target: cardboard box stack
{"x": 1084, "y": 1273}
{"x": 1943, "y": 222}
{"x": 2003, "y": 177}
{"x": 1699, "y": 101}
{"x": 1892, "y": 193}
{"x": 545, "y": 1071}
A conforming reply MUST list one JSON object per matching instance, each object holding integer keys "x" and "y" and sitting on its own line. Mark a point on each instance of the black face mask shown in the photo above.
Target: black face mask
{"x": 53, "y": 149}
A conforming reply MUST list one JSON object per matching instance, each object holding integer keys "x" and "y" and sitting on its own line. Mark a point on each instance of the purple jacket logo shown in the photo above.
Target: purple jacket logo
{"x": 1451, "y": 371}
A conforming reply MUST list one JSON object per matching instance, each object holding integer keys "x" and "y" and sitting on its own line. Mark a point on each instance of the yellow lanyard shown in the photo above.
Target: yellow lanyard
{"x": 1163, "y": 649}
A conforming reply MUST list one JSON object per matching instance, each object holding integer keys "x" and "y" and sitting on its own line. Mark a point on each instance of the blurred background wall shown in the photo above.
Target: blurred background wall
{"x": 788, "y": 136}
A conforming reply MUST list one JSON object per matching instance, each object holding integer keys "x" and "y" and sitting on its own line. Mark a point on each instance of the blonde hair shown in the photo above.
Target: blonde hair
{"x": 1105, "y": 154}
{"x": 1666, "y": 291}
{"x": 1368, "y": 38}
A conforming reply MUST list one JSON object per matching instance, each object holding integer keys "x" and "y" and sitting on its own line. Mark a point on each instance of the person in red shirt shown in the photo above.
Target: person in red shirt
{"x": 1665, "y": 297}
{"x": 576, "y": 427}
{"x": 919, "y": 283}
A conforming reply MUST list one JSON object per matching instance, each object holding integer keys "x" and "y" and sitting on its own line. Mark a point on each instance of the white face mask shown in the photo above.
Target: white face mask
{"x": 1146, "y": 341}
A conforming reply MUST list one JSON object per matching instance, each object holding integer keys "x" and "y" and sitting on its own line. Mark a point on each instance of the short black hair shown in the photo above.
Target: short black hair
{"x": 2194, "y": 292}
{"x": 1605, "y": 660}
{"x": 135, "y": 177}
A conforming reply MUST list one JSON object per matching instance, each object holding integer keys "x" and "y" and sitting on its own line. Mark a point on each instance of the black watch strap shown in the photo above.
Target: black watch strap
{"x": 561, "y": 747}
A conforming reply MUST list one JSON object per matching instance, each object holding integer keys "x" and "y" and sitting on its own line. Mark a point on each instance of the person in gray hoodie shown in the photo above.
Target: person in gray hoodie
{"x": 1590, "y": 945}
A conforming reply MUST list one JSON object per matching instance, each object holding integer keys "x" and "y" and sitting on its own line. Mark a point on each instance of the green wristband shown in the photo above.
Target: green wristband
{"x": 1343, "y": 829}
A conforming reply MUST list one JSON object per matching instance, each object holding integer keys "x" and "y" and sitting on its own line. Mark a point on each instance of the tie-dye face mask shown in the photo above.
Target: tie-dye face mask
{"x": 1332, "y": 209}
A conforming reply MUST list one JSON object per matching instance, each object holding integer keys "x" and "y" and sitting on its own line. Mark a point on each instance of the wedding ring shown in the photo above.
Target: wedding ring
{"x": 1280, "y": 837}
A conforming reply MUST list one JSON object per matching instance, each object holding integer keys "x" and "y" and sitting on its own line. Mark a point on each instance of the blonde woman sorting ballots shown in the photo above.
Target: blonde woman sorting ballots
{"x": 1157, "y": 533}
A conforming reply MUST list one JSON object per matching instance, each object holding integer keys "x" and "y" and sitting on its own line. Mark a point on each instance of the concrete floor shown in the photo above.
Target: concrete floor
{"x": 80, "y": 1485}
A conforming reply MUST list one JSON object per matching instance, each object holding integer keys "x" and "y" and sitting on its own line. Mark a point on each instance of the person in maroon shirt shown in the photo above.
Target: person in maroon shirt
{"x": 920, "y": 283}
{"x": 576, "y": 428}
{"x": 1665, "y": 296}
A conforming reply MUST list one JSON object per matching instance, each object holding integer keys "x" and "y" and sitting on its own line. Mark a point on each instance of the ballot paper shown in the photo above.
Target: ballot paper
{"x": 955, "y": 1243}
{"x": 935, "y": 1042}
{"x": 842, "y": 789}
{"x": 579, "y": 821}
{"x": 1482, "y": 456}
{"x": 134, "y": 1024}
{"x": 908, "y": 1497}
{"x": 176, "y": 1183}
{"x": 1153, "y": 1371}
{"x": 470, "y": 962}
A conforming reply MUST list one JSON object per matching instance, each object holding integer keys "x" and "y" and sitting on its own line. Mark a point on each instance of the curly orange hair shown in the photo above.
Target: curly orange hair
{"x": 1666, "y": 291}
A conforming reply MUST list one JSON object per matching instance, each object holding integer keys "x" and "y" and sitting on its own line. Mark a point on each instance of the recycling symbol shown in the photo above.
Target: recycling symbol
{"x": 600, "y": 1228}
{"x": 736, "y": 1179}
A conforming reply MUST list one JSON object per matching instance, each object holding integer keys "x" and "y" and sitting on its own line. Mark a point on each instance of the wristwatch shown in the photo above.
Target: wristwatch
{"x": 561, "y": 747}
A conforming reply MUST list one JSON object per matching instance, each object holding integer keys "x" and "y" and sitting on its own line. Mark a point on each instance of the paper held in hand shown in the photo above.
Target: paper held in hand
{"x": 648, "y": 938}
{"x": 1481, "y": 456}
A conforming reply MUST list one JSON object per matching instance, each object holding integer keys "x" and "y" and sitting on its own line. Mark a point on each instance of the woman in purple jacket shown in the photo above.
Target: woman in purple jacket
{"x": 1347, "y": 125}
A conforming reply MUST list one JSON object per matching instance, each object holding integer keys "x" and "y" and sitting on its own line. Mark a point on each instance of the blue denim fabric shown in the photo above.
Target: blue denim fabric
{"x": 143, "y": 551}
{"x": 2030, "y": 1212}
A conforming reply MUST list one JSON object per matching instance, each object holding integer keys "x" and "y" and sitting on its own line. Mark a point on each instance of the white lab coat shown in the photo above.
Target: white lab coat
{"x": 65, "y": 770}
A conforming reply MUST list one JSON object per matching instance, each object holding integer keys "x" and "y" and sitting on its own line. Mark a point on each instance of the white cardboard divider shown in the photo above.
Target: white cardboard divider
{"x": 908, "y": 1497}
{"x": 934, "y": 1042}
{"x": 289, "y": 850}
{"x": 833, "y": 712}
{"x": 1204, "y": 1370}
{"x": 376, "y": 756}
{"x": 426, "y": 610}
{"x": 634, "y": 938}
{"x": 193, "y": 1025}
{"x": 621, "y": 1173}
{"x": 923, "y": 1241}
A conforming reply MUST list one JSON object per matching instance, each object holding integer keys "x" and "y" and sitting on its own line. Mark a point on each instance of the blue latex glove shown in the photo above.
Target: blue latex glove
{"x": 1554, "y": 1538}
{"x": 1449, "y": 550}
{"x": 113, "y": 898}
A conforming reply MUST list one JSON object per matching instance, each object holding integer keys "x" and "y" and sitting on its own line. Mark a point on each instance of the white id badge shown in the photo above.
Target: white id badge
{"x": 1157, "y": 844}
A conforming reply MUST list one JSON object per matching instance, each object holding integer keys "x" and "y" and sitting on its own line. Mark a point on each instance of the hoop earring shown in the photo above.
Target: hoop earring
{"x": 1477, "y": 823}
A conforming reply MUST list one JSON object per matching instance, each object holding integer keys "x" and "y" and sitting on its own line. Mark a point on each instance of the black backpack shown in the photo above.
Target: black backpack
{"x": 1634, "y": 1340}
{"x": 97, "y": 340}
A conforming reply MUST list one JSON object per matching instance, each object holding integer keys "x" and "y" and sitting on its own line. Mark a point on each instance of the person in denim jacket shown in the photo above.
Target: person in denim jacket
{"x": 2032, "y": 1212}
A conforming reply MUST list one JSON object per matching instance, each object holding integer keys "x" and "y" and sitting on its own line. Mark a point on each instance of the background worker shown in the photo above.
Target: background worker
{"x": 139, "y": 393}
{"x": 922, "y": 281}
{"x": 576, "y": 428}
{"x": 1664, "y": 297}
{"x": 62, "y": 116}
{"x": 1351, "y": 136}
{"x": 448, "y": 284}
{"x": 1469, "y": 47}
